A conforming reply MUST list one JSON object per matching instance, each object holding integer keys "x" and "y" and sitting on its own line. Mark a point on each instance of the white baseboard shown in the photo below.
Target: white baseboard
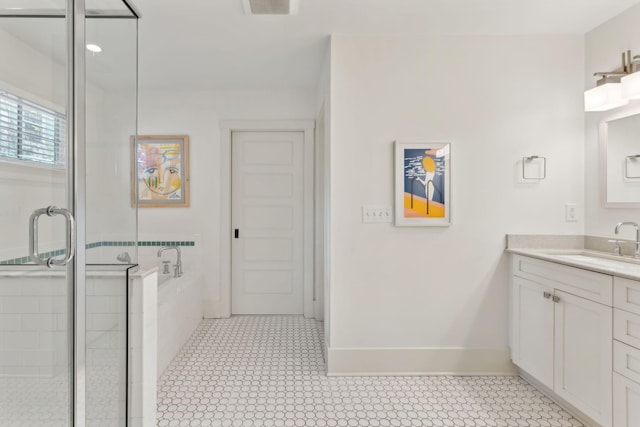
{"x": 418, "y": 361}
{"x": 215, "y": 309}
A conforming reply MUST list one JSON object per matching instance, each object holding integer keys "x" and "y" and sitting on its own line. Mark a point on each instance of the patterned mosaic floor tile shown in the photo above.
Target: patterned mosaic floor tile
{"x": 268, "y": 371}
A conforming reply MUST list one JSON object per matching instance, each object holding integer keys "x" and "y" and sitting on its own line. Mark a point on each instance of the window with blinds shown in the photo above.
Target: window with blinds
{"x": 30, "y": 132}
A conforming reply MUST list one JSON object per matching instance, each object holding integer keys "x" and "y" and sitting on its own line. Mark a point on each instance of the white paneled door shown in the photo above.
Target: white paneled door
{"x": 267, "y": 223}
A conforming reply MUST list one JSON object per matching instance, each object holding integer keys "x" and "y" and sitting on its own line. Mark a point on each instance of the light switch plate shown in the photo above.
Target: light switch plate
{"x": 570, "y": 214}
{"x": 377, "y": 214}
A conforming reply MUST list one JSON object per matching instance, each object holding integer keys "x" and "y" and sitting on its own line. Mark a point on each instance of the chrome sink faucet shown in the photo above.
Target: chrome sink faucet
{"x": 178, "y": 266}
{"x": 633, "y": 224}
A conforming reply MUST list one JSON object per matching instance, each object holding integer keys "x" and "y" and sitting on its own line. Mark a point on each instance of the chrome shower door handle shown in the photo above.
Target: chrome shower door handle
{"x": 33, "y": 236}
{"x": 71, "y": 236}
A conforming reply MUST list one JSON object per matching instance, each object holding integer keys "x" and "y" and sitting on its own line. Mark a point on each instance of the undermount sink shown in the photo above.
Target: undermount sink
{"x": 601, "y": 260}
{"x": 594, "y": 259}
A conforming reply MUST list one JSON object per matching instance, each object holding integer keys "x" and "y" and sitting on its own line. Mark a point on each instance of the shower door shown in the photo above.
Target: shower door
{"x": 38, "y": 228}
{"x": 63, "y": 338}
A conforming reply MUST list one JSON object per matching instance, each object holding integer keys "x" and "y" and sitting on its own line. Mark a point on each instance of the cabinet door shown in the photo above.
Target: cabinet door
{"x": 626, "y": 402}
{"x": 583, "y": 360}
{"x": 532, "y": 329}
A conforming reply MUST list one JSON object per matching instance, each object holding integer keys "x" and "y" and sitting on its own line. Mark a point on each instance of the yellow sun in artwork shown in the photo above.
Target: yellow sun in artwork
{"x": 429, "y": 164}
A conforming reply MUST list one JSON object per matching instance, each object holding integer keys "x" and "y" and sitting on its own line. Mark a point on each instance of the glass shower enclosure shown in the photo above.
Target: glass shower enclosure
{"x": 68, "y": 220}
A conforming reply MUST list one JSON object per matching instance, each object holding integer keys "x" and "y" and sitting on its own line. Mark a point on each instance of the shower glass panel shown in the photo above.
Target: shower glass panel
{"x": 111, "y": 224}
{"x": 35, "y": 301}
{"x": 68, "y": 227}
{"x": 111, "y": 103}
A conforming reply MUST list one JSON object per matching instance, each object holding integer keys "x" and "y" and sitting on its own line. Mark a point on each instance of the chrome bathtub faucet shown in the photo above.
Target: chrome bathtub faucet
{"x": 178, "y": 266}
{"x": 633, "y": 224}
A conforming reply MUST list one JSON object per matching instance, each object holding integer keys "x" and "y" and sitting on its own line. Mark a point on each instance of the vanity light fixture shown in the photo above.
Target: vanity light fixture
{"x": 616, "y": 88}
{"x": 630, "y": 84}
{"x": 606, "y": 96}
{"x": 608, "y": 91}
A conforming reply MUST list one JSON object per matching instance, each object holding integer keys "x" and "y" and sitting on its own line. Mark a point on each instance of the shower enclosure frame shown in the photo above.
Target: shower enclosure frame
{"x": 75, "y": 15}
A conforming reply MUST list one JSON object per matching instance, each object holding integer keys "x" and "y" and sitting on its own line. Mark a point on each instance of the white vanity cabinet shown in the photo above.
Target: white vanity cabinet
{"x": 626, "y": 353}
{"x": 532, "y": 326}
{"x": 562, "y": 332}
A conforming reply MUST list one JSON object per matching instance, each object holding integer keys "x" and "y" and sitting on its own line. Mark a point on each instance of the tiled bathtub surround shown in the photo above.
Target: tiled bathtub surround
{"x": 268, "y": 371}
{"x": 179, "y": 308}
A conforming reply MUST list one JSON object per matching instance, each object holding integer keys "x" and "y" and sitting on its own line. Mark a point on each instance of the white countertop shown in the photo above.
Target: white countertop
{"x": 600, "y": 262}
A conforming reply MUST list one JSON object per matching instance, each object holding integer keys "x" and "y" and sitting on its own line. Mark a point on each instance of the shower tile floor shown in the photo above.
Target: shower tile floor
{"x": 268, "y": 371}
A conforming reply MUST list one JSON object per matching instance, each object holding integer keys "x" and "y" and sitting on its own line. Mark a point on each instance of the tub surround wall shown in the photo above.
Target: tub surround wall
{"x": 143, "y": 327}
{"x": 603, "y": 46}
{"x": 179, "y": 301}
{"x": 179, "y": 314}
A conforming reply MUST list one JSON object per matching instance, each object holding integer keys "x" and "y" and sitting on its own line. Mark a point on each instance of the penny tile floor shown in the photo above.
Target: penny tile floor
{"x": 268, "y": 371}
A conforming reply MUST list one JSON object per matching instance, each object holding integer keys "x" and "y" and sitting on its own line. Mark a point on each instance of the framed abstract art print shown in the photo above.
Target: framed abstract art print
{"x": 160, "y": 172}
{"x": 423, "y": 184}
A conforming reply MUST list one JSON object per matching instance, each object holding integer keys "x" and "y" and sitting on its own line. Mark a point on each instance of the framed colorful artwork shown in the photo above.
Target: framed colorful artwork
{"x": 423, "y": 184}
{"x": 160, "y": 171}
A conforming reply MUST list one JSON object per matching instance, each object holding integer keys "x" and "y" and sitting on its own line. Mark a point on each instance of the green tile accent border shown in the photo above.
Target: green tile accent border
{"x": 27, "y": 260}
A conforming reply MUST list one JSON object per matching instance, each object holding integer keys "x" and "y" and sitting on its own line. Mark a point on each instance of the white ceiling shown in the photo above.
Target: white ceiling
{"x": 212, "y": 44}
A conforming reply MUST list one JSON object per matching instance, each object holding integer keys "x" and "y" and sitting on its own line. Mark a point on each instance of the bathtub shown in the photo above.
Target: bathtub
{"x": 179, "y": 314}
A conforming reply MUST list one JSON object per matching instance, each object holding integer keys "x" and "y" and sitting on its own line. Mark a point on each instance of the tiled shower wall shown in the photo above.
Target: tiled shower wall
{"x": 33, "y": 324}
{"x": 34, "y": 321}
{"x": 34, "y": 343}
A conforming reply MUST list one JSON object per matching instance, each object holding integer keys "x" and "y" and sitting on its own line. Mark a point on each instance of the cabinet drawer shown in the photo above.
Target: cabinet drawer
{"x": 626, "y": 327}
{"x": 626, "y": 361}
{"x": 594, "y": 286}
{"x": 626, "y": 402}
{"x": 626, "y": 294}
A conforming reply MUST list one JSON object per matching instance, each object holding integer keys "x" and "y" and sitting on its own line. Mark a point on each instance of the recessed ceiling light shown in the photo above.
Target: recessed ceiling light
{"x": 94, "y": 48}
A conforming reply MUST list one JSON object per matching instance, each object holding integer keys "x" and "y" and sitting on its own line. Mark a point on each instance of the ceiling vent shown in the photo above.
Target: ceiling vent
{"x": 270, "y": 7}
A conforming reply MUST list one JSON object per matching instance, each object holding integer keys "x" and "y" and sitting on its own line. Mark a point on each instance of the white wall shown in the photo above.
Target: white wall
{"x": 323, "y": 196}
{"x": 198, "y": 115}
{"x": 604, "y": 45}
{"x": 496, "y": 99}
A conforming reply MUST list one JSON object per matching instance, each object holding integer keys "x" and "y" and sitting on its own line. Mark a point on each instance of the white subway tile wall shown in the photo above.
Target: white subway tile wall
{"x": 34, "y": 349}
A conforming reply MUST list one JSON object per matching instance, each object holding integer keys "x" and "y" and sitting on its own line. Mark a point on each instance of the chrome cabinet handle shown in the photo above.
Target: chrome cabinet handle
{"x": 556, "y": 298}
{"x": 33, "y": 236}
{"x": 547, "y": 295}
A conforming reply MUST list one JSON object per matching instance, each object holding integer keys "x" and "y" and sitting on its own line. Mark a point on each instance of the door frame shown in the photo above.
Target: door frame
{"x": 228, "y": 127}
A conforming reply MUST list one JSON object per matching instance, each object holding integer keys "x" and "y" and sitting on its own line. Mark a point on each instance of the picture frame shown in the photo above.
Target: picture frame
{"x": 160, "y": 171}
{"x": 422, "y": 184}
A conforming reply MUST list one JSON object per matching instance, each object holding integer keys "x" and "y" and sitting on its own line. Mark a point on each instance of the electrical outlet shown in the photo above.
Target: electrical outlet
{"x": 570, "y": 214}
{"x": 377, "y": 214}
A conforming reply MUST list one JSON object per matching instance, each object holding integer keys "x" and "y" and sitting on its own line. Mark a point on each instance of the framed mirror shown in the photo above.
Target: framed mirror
{"x": 620, "y": 142}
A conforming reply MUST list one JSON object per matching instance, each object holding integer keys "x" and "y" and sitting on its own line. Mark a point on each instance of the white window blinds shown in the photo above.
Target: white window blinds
{"x": 31, "y": 132}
